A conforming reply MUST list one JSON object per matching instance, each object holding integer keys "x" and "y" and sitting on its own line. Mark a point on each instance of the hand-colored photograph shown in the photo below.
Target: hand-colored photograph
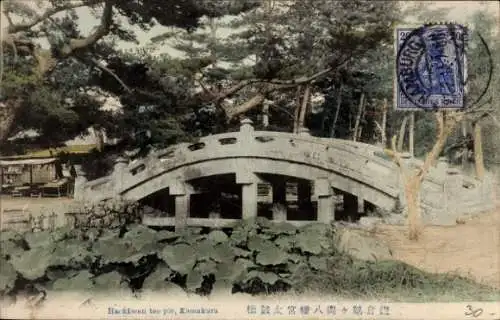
{"x": 249, "y": 159}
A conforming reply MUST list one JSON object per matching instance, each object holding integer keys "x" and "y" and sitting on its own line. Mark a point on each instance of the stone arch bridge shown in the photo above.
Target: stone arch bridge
{"x": 322, "y": 168}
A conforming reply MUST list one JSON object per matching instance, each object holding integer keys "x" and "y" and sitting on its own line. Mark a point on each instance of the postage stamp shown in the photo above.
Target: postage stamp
{"x": 431, "y": 67}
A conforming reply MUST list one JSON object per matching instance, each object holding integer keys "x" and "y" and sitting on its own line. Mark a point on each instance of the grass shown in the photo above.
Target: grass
{"x": 394, "y": 281}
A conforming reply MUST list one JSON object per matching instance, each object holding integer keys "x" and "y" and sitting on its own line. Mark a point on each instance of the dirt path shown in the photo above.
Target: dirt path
{"x": 471, "y": 249}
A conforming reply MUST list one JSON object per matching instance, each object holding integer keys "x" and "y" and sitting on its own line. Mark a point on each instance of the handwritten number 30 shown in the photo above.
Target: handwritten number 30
{"x": 475, "y": 313}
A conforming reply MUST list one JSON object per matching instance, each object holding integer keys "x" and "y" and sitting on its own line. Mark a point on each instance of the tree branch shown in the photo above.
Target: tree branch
{"x": 111, "y": 73}
{"x": 284, "y": 83}
{"x": 14, "y": 28}
{"x": 101, "y": 31}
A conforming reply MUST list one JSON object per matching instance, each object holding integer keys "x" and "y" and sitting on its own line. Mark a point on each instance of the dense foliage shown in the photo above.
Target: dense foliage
{"x": 256, "y": 256}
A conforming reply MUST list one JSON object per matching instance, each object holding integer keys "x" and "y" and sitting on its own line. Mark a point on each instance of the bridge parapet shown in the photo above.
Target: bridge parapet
{"x": 357, "y": 168}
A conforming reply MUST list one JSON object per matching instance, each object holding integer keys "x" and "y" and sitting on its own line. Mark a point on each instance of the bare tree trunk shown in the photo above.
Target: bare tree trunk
{"x": 478, "y": 151}
{"x": 412, "y": 180}
{"x": 465, "y": 150}
{"x": 411, "y": 134}
{"x": 401, "y": 136}
{"x": 265, "y": 115}
{"x": 297, "y": 110}
{"x": 303, "y": 108}
{"x": 337, "y": 110}
{"x": 8, "y": 113}
{"x": 99, "y": 138}
{"x": 358, "y": 117}
{"x": 384, "y": 123}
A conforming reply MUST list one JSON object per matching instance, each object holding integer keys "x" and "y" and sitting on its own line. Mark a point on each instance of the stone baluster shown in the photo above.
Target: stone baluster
{"x": 326, "y": 205}
{"x": 182, "y": 193}
{"x": 118, "y": 174}
{"x": 247, "y": 129}
{"x": 80, "y": 181}
{"x": 248, "y": 181}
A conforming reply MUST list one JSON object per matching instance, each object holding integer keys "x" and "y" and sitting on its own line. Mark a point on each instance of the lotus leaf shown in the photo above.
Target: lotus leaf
{"x": 217, "y": 236}
{"x": 271, "y": 255}
{"x": 140, "y": 236}
{"x": 295, "y": 258}
{"x": 33, "y": 263}
{"x": 204, "y": 250}
{"x": 117, "y": 251}
{"x": 282, "y": 227}
{"x": 230, "y": 271}
{"x": 62, "y": 233}
{"x": 309, "y": 242}
{"x": 263, "y": 222}
{"x": 206, "y": 267}
{"x": 240, "y": 252}
{"x": 256, "y": 243}
{"x": 93, "y": 234}
{"x": 247, "y": 263}
{"x": 9, "y": 248}
{"x": 285, "y": 242}
{"x": 109, "y": 234}
{"x": 194, "y": 280}
{"x": 179, "y": 257}
{"x": 38, "y": 239}
{"x": 222, "y": 286}
{"x": 10, "y": 235}
{"x": 318, "y": 263}
{"x": 54, "y": 273}
{"x": 71, "y": 253}
{"x": 158, "y": 278}
{"x": 166, "y": 235}
{"x": 8, "y": 275}
{"x": 222, "y": 252}
{"x": 110, "y": 281}
{"x": 81, "y": 281}
{"x": 320, "y": 229}
{"x": 239, "y": 237}
{"x": 266, "y": 277}
{"x": 298, "y": 269}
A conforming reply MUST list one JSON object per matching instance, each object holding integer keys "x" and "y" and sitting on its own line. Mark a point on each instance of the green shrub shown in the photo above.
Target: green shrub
{"x": 256, "y": 256}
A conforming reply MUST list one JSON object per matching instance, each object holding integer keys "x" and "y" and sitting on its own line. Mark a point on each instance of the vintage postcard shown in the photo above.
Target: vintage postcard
{"x": 249, "y": 159}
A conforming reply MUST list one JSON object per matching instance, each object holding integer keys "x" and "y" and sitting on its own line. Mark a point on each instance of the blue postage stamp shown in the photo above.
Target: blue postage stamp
{"x": 430, "y": 67}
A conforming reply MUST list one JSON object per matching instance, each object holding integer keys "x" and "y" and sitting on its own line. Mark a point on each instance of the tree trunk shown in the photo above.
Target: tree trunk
{"x": 303, "y": 108}
{"x": 402, "y": 131}
{"x": 8, "y": 112}
{"x": 99, "y": 138}
{"x": 297, "y": 110}
{"x": 412, "y": 180}
{"x": 384, "y": 123}
{"x": 337, "y": 111}
{"x": 411, "y": 134}
{"x": 231, "y": 112}
{"x": 478, "y": 151}
{"x": 358, "y": 117}
{"x": 465, "y": 150}
{"x": 265, "y": 115}
{"x": 412, "y": 185}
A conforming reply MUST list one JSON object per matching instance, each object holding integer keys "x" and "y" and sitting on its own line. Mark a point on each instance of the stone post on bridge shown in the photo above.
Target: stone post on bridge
{"x": 118, "y": 172}
{"x": 182, "y": 193}
{"x": 80, "y": 181}
{"x": 326, "y": 206}
{"x": 249, "y": 198}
